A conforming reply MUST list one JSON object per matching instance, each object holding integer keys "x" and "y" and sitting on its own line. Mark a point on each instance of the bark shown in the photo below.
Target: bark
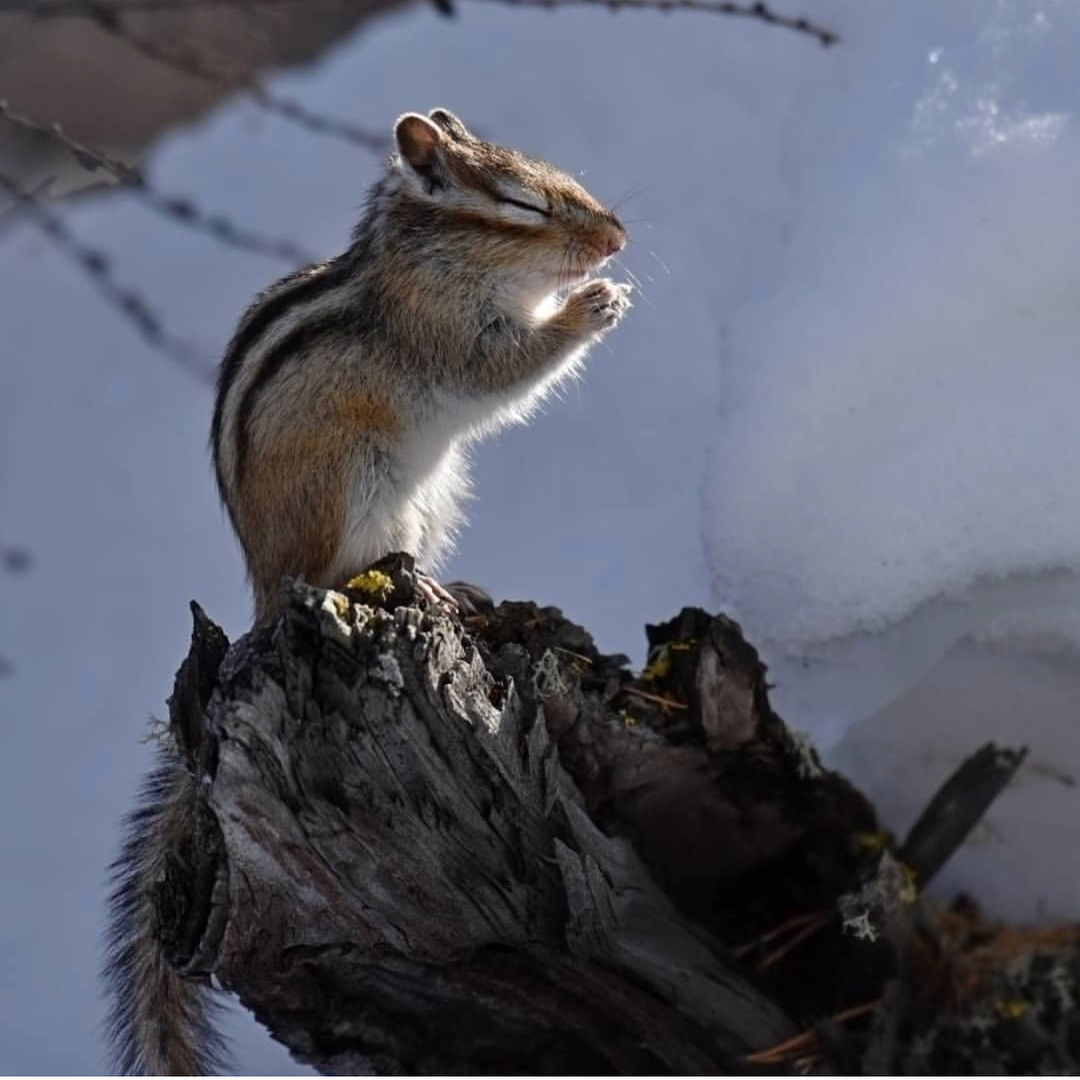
{"x": 430, "y": 844}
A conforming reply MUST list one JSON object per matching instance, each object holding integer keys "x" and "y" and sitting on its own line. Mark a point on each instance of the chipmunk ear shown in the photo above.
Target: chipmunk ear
{"x": 418, "y": 142}
{"x": 450, "y": 123}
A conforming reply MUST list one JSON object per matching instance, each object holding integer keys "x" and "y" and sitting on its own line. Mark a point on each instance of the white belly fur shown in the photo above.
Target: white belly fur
{"x": 395, "y": 507}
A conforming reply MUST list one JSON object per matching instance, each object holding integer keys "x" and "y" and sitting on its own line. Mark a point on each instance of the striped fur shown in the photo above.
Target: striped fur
{"x": 298, "y": 293}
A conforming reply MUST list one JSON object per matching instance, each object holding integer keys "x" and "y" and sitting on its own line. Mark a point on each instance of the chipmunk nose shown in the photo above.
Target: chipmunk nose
{"x": 616, "y": 242}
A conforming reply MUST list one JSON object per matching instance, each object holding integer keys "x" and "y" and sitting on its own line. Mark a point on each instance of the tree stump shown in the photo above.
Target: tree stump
{"x": 430, "y": 844}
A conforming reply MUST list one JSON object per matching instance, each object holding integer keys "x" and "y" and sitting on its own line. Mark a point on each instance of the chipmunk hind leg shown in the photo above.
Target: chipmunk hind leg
{"x": 291, "y": 515}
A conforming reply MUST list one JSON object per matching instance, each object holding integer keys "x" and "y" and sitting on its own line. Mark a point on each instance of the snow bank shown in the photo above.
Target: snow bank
{"x": 900, "y": 419}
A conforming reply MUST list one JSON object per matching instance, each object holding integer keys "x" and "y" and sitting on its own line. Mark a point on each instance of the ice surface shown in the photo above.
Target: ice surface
{"x": 845, "y": 402}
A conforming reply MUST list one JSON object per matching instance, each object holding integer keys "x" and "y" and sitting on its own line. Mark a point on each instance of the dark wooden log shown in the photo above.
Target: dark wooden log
{"x": 434, "y": 844}
{"x": 407, "y": 878}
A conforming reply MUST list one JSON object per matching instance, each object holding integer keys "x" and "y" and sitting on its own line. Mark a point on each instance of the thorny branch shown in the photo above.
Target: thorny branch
{"x": 176, "y": 208}
{"x": 758, "y": 11}
{"x": 219, "y": 73}
{"x": 95, "y": 264}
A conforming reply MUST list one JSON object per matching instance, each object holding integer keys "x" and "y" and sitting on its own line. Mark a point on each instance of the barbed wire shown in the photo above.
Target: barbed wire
{"x": 176, "y": 208}
{"x": 220, "y": 73}
{"x": 51, "y": 8}
{"x": 13, "y": 213}
{"x": 14, "y": 559}
{"x": 759, "y": 11}
{"x": 96, "y": 265}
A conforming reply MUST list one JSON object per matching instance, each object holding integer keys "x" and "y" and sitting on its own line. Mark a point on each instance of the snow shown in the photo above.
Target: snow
{"x": 901, "y": 409}
{"x": 843, "y": 408}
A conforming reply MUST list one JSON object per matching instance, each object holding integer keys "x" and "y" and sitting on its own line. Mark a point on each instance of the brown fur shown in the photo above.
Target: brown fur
{"x": 290, "y": 511}
{"x": 362, "y": 414}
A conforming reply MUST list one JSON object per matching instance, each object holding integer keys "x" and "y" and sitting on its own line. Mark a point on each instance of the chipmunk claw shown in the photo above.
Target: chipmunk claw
{"x": 434, "y": 593}
{"x": 605, "y": 302}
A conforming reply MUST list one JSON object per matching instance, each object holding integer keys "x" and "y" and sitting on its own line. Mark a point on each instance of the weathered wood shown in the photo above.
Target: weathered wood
{"x": 413, "y": 884}
{"x": 430, "y": 844}
{"x": 957, "y": 808}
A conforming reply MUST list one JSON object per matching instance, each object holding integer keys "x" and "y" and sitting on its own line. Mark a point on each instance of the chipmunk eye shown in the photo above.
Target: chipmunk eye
{"x": 543, "y": 210}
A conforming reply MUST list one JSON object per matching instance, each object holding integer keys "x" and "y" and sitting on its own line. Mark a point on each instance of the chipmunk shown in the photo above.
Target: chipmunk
{"x": 345, "y": 402}
{"x": 351, "y": 388}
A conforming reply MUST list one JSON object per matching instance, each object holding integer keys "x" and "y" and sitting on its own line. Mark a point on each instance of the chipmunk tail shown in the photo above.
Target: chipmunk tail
{"x": 159, "y": 1023}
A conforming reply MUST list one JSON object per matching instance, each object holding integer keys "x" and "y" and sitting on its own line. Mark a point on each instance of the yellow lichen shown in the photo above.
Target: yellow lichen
{"x": 659, "y": 666}
{"x": 373, "y": 582}
{"x": 1011, "y": 1010}
{"x": 909, "y": 892}
{"x": 341, "y": 605}
{"x": 871, "y": 841}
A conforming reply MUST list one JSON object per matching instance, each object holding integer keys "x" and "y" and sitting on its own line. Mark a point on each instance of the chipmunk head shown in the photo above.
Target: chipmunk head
{"x": 532, "y": 226}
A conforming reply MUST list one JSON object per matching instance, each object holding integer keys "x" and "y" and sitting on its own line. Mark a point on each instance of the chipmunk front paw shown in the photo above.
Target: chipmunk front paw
{"x": 598, "y": 305}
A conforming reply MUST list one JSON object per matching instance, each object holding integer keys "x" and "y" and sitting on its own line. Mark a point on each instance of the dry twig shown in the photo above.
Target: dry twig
{"x": 663, "y": 702}
{"x": 811, "y": 928}
{"x": 805, "y": 1040}
{"x": 795, "y": 923}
